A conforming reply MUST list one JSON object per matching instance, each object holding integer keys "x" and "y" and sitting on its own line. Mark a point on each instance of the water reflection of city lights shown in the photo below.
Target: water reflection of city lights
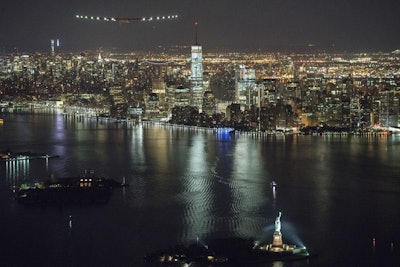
{"x": 16, "y": 169}
{"x": 224, "y": 133}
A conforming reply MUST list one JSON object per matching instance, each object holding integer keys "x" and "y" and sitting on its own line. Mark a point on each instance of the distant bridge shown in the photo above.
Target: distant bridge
{"x": 159, "y": 63}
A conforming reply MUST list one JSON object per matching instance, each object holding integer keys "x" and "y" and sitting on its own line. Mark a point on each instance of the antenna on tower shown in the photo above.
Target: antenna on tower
{"x": 195, "y": 28}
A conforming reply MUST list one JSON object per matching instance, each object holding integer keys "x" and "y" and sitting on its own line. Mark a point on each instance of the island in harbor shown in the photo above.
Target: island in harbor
{"x": 232, "y": 251}
{"x": 69, "y": 190}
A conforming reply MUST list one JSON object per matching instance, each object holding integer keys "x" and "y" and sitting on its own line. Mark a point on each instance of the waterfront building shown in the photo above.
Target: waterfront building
{"x": 221, "y": 106}
{"x": 388, "y": 109}
{"x": 209, "y": 104}
{"x": 196, "y": 79}
{"x": 186, "y": 115}
{"x": 152, "y": 105}
{"x": 181, "y": 96}
{"x": 158, "y": 88}
{"x": 176, "y": 96}
{"x": 234, "y": 113}
{"x": 267, "y": 120}
{"x": 246, "y": 92}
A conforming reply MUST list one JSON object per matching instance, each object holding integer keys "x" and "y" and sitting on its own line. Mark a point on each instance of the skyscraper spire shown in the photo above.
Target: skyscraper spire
{"x": 196, "y": 80}
{"x": 195, "y": 29}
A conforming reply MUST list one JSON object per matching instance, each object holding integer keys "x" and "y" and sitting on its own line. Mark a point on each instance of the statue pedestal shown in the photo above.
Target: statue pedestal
{"x": 277, "y": 244}
{"x": 277, "y": 240}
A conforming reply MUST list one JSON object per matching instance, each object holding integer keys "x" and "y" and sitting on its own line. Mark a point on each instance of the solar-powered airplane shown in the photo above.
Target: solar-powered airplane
{"x": 126, "y": 19}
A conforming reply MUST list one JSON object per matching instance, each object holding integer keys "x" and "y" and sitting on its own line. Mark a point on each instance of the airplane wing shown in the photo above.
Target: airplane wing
{"x": 126, "y": 19}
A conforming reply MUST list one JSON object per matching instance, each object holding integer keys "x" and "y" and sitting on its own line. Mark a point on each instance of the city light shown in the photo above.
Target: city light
{"x": 290, "y": 94}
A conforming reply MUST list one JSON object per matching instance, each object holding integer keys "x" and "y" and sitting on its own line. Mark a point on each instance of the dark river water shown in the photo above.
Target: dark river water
{"x": 336, "y": 193}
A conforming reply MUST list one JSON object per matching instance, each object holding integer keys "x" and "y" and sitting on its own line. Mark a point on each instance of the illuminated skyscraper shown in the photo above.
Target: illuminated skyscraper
{"x": 246, "y": 92}
{"x": 196, "y": 80}
{"x": 53, "y": 45}
{"x": 209, "y": 104}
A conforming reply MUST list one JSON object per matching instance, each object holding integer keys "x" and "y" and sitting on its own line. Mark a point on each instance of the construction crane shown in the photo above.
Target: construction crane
{"x": 126, "y": 20}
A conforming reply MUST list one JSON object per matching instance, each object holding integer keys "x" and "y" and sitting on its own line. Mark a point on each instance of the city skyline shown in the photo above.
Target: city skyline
{"x": 284, "y": 25}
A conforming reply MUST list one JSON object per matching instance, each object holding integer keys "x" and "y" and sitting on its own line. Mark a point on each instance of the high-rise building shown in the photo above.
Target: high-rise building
{"x": 234, "y": 113}
{"x": 158, "y": 87}
{"x": 176, "y": 96}
{"x": 209, "y": 103}
{"x": 196, "y": 80}
{"x": 246, "y": 92}
{"x": 53, "y": 45}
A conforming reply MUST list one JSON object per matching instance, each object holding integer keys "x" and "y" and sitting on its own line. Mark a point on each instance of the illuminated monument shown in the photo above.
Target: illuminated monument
{"x": 238, "y": 251}
{"x": 277, "y": 244}
{"x": 278, "y": 249}
{"x": 196, "y": 80}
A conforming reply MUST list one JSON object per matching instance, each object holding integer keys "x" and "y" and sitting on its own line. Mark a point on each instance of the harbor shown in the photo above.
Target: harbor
{"x": 188, "y": 184}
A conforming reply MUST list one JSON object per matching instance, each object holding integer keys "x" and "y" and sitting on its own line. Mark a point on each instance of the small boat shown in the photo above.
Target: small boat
{"x": 123, "y": 184}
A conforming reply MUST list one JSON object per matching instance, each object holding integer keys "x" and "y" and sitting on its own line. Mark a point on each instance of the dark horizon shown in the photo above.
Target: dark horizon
{"x": 278, "y": 25}
{"x": 185, "y": 48}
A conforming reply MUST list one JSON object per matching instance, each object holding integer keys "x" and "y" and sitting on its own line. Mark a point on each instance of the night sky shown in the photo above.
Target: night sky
{"x": 224, "y": 25}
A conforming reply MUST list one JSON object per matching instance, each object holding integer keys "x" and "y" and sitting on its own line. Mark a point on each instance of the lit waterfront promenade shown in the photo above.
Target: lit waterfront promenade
{"x": 96, "y": 113}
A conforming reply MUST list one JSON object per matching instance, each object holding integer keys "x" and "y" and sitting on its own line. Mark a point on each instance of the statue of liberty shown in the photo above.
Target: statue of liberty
{"x": 278, "y": 223}
{"x": 277, "y": 236}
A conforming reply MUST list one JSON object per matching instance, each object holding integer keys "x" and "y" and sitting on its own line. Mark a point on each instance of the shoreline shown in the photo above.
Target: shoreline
{"x": 96, "y": 113}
